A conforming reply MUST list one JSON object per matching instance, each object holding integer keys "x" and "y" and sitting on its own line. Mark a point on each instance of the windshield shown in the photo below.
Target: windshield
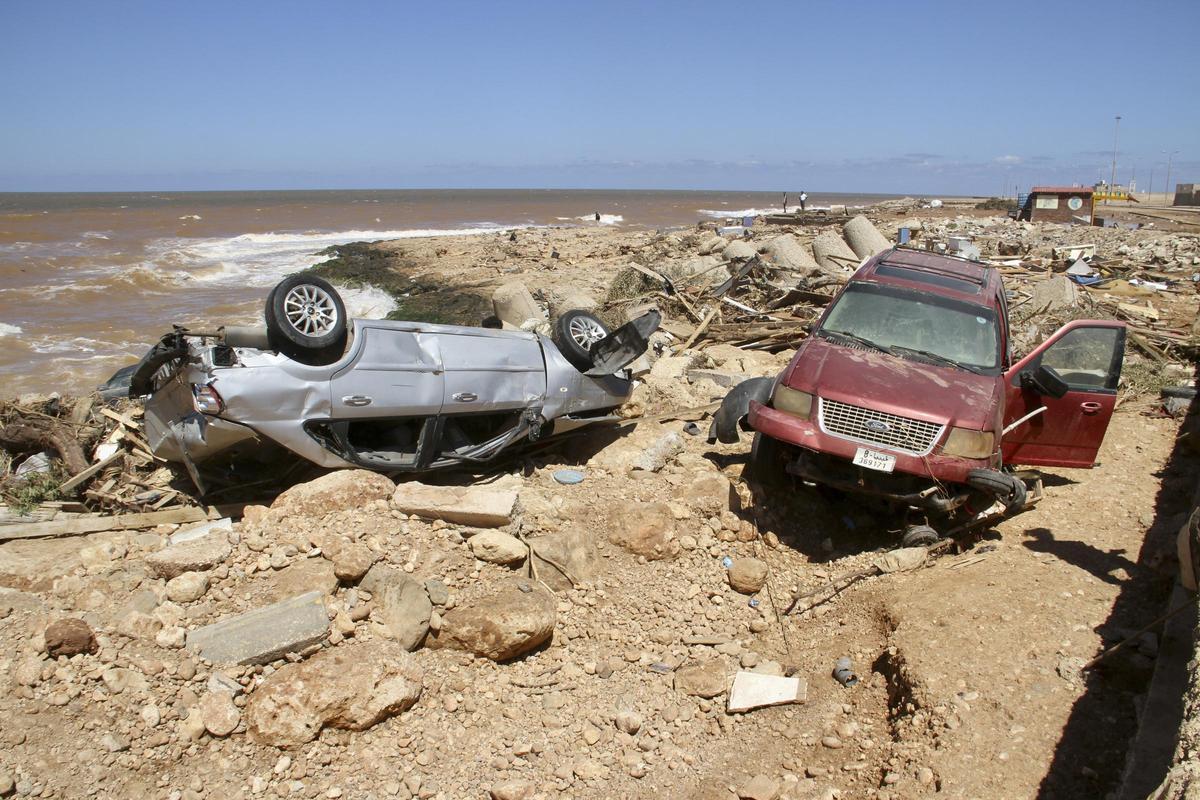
{"x": 900, "y": 320}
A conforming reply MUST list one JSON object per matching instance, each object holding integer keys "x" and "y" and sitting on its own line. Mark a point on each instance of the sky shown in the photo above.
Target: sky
{"x": 916, "y": 97}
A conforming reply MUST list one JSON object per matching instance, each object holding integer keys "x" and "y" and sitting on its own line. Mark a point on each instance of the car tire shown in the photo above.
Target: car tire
{"x": 574, "y": 333}
{"x": 1005, "y": 487}
{"x": 306, "y": 319}
{"x": 919, "y": 536}
{"x": 768, "y": 462}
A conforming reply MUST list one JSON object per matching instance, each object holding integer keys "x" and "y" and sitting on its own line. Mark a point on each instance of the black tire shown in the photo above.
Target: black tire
{"x": 919, "y": 536}
{"x": 306, "y": 319}
{"x": 767, "y": 466}
{"x": 491, "y": 322}
{"x": 574, "y": 333}
{"x": 1007, "y": 488}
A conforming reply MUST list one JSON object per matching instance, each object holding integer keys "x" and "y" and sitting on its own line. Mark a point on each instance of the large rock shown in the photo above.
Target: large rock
{"x": 703, "y": 679}
{"x": 348, "y": 687}
{"x": 300, "y": 577}
{"x": 194, "y": 555}
{"x": 69, "y": 637}
{"x": 570, "y": 300}
{"x": 402, "y": 606}
{"x": 714, "y": 245}
{"x": 738, "y": 249}
{"x": 648, "y": 530}
{"x": 648, "y": 447}
{"x": 510, "y": 622}
{"x": 833, "y": 255}
{"x": 498, "y": 548}
{"x": 337, "y": 491}
{"x": 264, "y": 634}
{"x": 864, "y": 238}
{"x": 34, "y": 564}
{"x": 786, "y": 251}
{"x": 488, "y": 505}
{"x": 711, "y": 493}
{"x": 574, "y": 550}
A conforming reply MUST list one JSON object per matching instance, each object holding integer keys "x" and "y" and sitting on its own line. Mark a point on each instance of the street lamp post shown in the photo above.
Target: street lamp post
{"x": 1168, "y": 189}
{"x": 1113, "y": 180}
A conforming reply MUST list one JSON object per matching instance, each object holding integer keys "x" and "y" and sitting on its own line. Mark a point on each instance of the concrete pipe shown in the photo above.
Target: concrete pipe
{"x": 833, "y": 255}
{"x": 513, "y": 304}
{"x": 569, "y": 301}
{"x": 863, "y": 237}
{"x": 786, "y": 251}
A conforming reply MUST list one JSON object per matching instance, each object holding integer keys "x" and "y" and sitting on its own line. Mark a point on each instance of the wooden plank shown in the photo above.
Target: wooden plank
{"x": 699, "y": 330}
{"x": 90, "y": 472}
{"x": 98, "y": 523}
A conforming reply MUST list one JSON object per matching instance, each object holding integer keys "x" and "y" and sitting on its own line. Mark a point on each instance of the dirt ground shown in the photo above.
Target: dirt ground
{"x": 970, "y": 667}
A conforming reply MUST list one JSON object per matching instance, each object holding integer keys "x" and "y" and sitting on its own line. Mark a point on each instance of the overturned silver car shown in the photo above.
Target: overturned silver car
{"x": 391, "y": 396}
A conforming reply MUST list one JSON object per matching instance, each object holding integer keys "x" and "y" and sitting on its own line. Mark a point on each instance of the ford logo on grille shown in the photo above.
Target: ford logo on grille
{"x": 878, "y": 426}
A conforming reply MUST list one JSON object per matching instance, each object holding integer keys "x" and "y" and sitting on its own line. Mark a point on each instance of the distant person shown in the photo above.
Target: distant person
{"x": 803, "y": 199}
{"x": 785, "y": 202}
{"x": 597, "y": 216}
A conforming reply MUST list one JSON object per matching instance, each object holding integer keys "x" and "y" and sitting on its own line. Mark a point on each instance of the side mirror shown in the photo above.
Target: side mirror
{"x": 1044, "y": 380}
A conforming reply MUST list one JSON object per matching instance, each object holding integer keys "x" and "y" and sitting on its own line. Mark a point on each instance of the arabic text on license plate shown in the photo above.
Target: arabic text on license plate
{"x": 872, "y": 460}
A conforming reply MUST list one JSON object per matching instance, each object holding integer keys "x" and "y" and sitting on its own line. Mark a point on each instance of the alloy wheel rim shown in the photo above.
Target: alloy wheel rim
{"x": 310, "y": 310}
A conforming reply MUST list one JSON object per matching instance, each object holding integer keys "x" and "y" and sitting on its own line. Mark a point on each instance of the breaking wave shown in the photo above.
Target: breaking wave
{"x": 743, "y": 212}
{"x": 605, "y": 219}
{"x": 9, "y": 330}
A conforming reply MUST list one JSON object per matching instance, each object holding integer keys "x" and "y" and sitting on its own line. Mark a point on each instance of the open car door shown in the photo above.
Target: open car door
{"x": 1061, "y": 396}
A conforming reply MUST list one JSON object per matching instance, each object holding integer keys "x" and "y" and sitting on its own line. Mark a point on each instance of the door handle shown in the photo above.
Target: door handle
{"x": 356, "y": 400}
{"x": 465, "y": 397}
{"x": 1090, "y": 407}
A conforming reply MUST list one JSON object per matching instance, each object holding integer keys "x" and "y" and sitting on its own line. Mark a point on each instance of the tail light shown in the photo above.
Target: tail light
{"x": 207, "y": 400}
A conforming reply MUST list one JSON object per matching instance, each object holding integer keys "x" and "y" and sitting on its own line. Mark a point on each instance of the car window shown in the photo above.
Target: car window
{"x": 891, "y": 317}
{"x": 1087, "y": 358}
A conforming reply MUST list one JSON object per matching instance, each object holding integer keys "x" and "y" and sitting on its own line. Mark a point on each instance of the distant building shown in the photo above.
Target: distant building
{"x": 1187, "y": 194}
{"x": 1057, "y": 204}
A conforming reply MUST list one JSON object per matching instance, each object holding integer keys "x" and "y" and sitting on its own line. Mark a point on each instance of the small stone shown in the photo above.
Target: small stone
{"x": 496, "y": 547}
{"x": 7, "y": 784}
{"x": 832, "y": 742}
{"x": 760, "y": 787}
{"x": 221, "y": 716}
{"x": 629, "y": 722}
{"x": 512, "y": 790}
{"x": 151, "y": 715}
{"x": 113, "y": 743}
{"x": 187, "y": 587}
{"x": 352, "y": 561}
{"x": 924, "y": 776}
{"x": 69, "y": 637}
{"x": 747, "y": 575}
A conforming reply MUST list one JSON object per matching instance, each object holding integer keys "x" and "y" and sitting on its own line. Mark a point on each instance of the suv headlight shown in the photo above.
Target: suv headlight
{"x": 792, "y": 401}
{"x": 966, "y": 443}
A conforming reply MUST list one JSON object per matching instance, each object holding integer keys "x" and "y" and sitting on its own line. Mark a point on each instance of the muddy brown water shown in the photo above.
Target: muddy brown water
{"x": 88, "y": 281}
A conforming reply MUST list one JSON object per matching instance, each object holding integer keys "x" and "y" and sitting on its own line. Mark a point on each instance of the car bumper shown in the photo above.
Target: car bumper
{"x": 808, "y": 435}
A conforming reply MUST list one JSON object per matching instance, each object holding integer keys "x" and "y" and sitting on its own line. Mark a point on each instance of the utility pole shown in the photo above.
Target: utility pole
{"x": 1168, "y": 189}
{"x": 1113, "y": 180}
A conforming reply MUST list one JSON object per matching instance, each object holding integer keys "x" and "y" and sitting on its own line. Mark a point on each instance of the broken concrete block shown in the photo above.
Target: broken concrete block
{"x": 190, "y": 532}
{"x": 190, "y": 555}
{"x": 738, "y": 249}
{"x": 484, "y": 506}
{"x": 723, "y": 379}
{"x": 513, "y": 304}
{"x": 264, "y": 634}
{"x": 864, "y": 239}
{"x": 752, "y": 690}
{"x": 514, "y": 620}
{"x": 786, "y": 251}
{"x": 833, "y": 255}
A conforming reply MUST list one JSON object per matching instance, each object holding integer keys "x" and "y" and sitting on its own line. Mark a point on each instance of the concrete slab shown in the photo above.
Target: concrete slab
{"x": 264, "y": 634}
{"x": 752, "y": 690}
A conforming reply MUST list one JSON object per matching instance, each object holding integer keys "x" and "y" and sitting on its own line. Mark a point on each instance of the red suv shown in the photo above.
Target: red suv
{"x": 908, "y": 389}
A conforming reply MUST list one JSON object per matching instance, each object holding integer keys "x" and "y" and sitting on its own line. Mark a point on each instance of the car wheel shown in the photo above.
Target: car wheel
{"x": 919, "y": 536}
{"x": 1008, "y": 489}
{"x": 768, "y": 462}
{"x": 306, "y": 319}
{"x": 574, "y": 333}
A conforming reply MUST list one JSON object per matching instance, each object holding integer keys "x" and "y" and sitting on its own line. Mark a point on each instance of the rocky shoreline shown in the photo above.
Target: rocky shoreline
{"x": 509, "y": 636}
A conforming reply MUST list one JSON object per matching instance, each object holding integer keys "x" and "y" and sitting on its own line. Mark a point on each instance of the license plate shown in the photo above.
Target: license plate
{"x": 881, "y": 462}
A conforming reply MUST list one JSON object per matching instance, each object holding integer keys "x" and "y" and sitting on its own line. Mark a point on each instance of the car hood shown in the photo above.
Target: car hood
{"x": 895, "y": 385}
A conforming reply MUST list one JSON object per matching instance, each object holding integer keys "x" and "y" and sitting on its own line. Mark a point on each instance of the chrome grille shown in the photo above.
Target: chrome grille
{"x": 880, "y": 428}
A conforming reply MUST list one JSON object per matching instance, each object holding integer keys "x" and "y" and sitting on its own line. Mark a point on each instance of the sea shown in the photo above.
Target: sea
{"x": 88, "y": 281}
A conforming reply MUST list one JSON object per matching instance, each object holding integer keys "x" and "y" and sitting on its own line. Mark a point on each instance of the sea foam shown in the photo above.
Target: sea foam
{"x": 8, "y": 330}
